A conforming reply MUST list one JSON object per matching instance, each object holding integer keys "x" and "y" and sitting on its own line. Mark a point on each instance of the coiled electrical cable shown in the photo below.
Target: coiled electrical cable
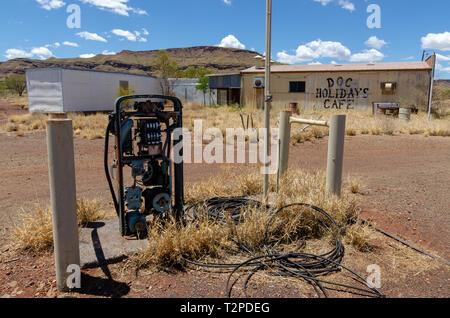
{"x": 309, "y": 267}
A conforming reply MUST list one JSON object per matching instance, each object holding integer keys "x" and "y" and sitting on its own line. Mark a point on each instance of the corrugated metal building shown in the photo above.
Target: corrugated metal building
{"x": 185, "y": 89}
{"x": 339, "y": 86}
{"x": 69, "y": 90}
{"x": 228, "y": 88}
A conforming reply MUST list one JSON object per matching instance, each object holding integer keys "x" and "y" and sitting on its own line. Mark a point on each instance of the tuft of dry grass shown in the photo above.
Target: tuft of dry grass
{"x": 309, "y": 135}
{"x": 355, "y": 185}
{"x": 34, "y": 234}
{"x": 351, "y": 132}
{"x": 89, "y": 211}
{"x": 170, "y": 242}
{"x": 359, "y": 236}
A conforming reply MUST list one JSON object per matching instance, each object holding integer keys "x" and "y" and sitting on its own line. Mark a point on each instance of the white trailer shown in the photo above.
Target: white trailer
{"x": 60, "y": 90}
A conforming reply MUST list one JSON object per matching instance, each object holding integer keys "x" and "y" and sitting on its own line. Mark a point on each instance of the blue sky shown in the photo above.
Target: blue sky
{"x": 304, "y": 31}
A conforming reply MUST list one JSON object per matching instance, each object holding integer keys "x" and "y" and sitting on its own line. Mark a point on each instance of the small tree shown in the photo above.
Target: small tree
{"x": 203, "y": 85}
{"x": 194, "y": 72}
{"x": 165, "y": 68}
{"x": 16, "y": 83}
{"x": 2, "y": 87}
{"x": 125, "y": 91}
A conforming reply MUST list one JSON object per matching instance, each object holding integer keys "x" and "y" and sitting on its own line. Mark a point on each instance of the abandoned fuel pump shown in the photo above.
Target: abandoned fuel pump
{"x": 143, "y": 143}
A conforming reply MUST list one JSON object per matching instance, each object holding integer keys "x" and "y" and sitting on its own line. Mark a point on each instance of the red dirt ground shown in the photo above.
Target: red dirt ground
{"x": 407, "y": 185}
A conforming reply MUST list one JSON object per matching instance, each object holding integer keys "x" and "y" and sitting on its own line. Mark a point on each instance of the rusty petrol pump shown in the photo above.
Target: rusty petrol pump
{"x": 143, "y": 143}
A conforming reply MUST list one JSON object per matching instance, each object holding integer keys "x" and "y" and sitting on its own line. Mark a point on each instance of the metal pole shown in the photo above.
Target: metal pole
{"x": 336, "y": 154}
{"x": 268, "y": 97}
{"x": 63, "y": 197}
{"x": 309, "y": 122}
{"x": 285, "y": 138}
{"x": 430, "y": 101}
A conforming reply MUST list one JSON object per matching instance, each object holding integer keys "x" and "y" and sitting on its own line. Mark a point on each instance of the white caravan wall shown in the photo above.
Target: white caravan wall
{"x": 44, "y": 90}
{"x": 86, "y": 91}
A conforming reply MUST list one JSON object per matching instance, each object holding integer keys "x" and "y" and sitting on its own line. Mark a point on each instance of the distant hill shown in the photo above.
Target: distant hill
{"x": 217, "y": 59}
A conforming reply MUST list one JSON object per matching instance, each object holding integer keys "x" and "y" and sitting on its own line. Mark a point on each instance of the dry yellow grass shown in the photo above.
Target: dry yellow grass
{"x": 359, "y": 235}
{"x": 222, "y": 117}
{"x": 89, "y": 211}
{"x": 86, "y": 126}
{"x": 364, "y": 123}
{"x": 34, "y": 233}
{"x": 16, "y": 101}
{"x": 355, "y": 185}
{"x": 170, "y": 243}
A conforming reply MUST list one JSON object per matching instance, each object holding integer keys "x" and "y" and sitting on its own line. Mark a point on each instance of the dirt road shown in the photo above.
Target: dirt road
{"x": 407, "y": 179}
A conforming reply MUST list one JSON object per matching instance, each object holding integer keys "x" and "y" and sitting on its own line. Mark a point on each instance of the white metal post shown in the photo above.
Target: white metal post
{"x": 268, "y": 97}
{"x": 430, "y": 101}
{"x": 61, "y": 167}
{"x": 336, "y": 154}
{"x": 285, "y": 142}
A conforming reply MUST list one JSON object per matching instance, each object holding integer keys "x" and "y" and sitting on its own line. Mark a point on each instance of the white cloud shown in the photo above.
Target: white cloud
{"x": 347, "y": 5}
{"x": 375, "y": 43}
{"x": 91, "y": 36}
{"x": 54, "y": 45}
{"x": 436, "y": 41}
{"x": 441, "y": 68}
{"x": 227, "y": 2}
{"x": 315, "y": 50}
{"x": 323, "y": 2}
{"x": 116, "y": 6}
{"x": 126, "y": 34}
{"x": 17, "y": 53}
{"x": 442, "y": 58}
{"x": 145, "y": 32}
{"x": 87, "y": 56}
{"x": 130, "y": 36}
{"x": 42, "y": 52}
{"x": 344, "y": 4}
{"x": 72, "y": 44}
{"x": 106, "y": 52}
{"x": 327, "y": 49}
{"x": 231, "y": 41}
{"x": 51, "y": 4}
{"x": 367, "y": 56}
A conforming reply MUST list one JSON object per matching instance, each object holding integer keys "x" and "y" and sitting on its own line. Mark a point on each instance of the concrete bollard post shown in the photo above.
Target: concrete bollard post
{"x": 285, "y": 141}
{"x": 336, "y": 154}
{"x": 61, "y": 166}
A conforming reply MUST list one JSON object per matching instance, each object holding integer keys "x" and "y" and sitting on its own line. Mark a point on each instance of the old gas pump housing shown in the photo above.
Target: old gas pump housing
{"x": 143, "y": 143}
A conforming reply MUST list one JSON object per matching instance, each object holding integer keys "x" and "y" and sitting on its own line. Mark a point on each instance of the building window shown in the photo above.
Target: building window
{"x": 388, "y": 88}
{"x": 124, "y": 86}
{"x": 297, "y": 87}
